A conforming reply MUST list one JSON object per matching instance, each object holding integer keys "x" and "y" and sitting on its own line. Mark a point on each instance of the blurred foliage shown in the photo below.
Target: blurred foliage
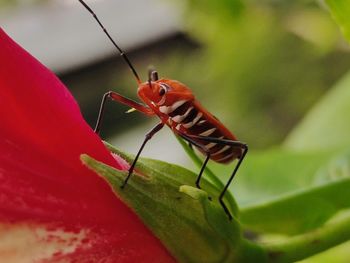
{"x": 265, "y": 64}
{"x": 13, "y": 3}
{"x": 257, "y": 65}
{"x": 303, "y": 184}
{"x": 334, "y": 255}
{"x": 316, "y": 131}
{"x": 341, "y": 12}
{"x": 262, "y": 65}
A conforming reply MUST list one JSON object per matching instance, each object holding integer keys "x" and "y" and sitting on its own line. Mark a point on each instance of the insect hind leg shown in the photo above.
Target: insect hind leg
{"x": 221, "y": 196}
{"x": 243, "y": 146}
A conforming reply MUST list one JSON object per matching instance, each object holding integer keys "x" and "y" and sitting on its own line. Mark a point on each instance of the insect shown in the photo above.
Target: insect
{"x": 177, "y": 108}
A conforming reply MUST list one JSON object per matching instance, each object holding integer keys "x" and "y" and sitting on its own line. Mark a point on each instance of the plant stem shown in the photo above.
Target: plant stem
{"x": 305, "y": 245}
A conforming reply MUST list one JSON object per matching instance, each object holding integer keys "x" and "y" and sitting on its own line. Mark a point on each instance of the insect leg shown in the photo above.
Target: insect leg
{"x": 148, "y": 136}
{"x": 202, "y": 170}
{"x": 193, "y": 142}
{"x": 119, "y": 98}
{"x": 245, "y": 150}
{"x": 191, "y": 146}
{"x": 239, "y": 144}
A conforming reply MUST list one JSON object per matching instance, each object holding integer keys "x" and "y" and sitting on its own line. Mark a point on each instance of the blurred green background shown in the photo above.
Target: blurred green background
{"x": 259, "y": 66}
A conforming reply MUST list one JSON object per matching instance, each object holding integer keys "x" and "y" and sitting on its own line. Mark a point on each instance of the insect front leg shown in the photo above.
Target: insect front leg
{"x": 119, "y": 98}
{"x": 148, "y": 136}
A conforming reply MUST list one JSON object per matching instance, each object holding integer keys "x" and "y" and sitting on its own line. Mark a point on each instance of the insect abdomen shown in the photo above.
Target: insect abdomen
{"x": 192, "y": 119}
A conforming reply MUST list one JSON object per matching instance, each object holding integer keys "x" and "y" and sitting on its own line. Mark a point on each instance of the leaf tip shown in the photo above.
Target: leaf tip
{"x": 85, "y": 159}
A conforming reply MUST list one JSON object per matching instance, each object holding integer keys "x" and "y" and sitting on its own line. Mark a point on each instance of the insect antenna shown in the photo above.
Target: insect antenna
{"x": 121, "y": 52}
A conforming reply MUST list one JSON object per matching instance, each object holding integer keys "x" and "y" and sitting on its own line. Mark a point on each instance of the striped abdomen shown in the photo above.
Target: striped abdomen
{"x": 191, "y": 118}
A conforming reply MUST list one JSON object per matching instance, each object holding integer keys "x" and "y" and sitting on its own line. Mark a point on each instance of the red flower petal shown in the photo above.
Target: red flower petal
{"x": 42, "y": 180}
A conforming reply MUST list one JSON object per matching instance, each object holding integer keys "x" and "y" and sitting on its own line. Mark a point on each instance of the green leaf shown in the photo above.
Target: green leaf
{"x": 190, "y": 222}
{"x": 268, "y": 174}
{"x": 340, "y": 10}
{"x": 306, "y": 209}
{"x": 327, "y": 125}
{"x": 194, "y": 228}
{"x": 186, "y": 176}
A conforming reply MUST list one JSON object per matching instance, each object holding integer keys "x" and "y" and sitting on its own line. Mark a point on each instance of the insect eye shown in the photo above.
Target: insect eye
{"x": 162, "y": 91}
{"x": 163, "y": 88}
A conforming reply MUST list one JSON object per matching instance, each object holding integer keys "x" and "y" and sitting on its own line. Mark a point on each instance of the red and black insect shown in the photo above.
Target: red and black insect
{"x": 176, "y": 106}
